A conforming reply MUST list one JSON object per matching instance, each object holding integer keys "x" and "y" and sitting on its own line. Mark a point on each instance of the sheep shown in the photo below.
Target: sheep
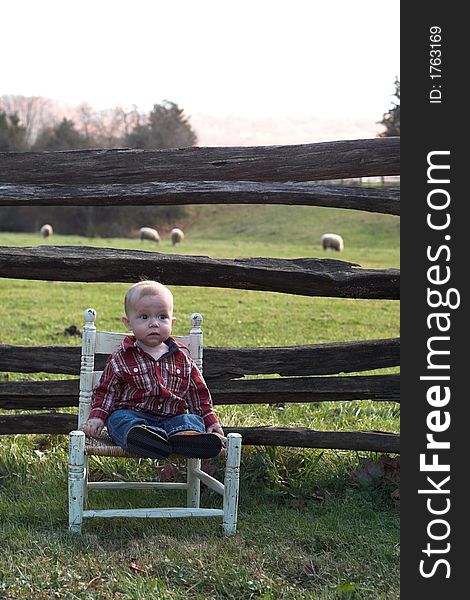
{"x": 46, "y": 231}
{"x": 333, "y": 241}
{"x": 176, "y": 236}
{"x": 148, "y": 233}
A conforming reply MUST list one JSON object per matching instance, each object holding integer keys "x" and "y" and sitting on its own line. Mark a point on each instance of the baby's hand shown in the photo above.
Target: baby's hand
{"x": 92, "y": 427}
{"x": 215, "y": 428}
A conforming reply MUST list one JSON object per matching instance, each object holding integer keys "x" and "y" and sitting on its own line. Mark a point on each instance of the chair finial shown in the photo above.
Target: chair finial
{"x": 89, "y": 315}
{"x": 196, "y": 320}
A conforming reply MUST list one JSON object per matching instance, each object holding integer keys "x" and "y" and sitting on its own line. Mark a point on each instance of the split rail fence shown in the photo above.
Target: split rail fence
{"x": 244, "y": 175}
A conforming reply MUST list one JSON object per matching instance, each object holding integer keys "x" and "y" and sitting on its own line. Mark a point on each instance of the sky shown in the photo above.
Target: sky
{"x": 222, "y": 61}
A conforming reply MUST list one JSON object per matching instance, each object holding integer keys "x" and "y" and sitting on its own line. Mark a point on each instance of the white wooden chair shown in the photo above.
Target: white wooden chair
{"x": 81, "y": 447}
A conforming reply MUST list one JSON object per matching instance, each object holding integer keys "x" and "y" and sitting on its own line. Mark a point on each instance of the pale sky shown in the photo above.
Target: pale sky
{"x": 323, "y": 59}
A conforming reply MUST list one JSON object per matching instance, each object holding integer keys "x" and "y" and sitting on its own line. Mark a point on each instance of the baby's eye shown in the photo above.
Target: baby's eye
{"x": 163, "y": 317}
{"x": 144, "y": 317}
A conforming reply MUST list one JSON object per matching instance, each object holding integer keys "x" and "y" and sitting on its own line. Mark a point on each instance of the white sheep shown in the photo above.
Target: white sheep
{"x": 148, "y": 233}
{"x": 46, "y": 230}
{"x": 333, "y": 241}
{"x": 176, "y": 236}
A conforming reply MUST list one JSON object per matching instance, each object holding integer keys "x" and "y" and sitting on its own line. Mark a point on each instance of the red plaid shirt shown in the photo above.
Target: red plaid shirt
{"x": 169, "y": 386}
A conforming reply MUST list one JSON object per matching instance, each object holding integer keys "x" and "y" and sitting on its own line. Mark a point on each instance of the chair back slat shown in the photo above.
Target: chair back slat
{"x": 96, "y": 378}
{"x": 107, "y": 342}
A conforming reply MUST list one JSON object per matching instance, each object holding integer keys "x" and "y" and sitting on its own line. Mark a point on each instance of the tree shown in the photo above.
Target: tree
{"x": 391, "y": 119}
{"x": 35, "y": 113}
{"x": 12, "y": 134}
{"x": 63, "y": 136}
{"x": 107, "y": 128}
{"x": 165, "y": 127}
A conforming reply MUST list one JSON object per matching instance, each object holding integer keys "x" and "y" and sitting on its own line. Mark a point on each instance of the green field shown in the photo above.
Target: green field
{"x": 307, "y": 528}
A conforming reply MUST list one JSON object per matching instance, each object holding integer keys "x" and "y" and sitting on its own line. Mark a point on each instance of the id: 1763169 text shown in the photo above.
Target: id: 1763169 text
{"x": 435, "y": 61}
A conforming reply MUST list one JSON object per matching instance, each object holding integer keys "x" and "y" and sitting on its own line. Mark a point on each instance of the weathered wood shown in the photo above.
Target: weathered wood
{"x": 302, "y": 276}
{"x": 385, "y": 200}
{"x": 34, "y": 395}
{"x": 313, "y": 359}
{"x": 60, "y": 423}
{"x": 304, "y": 162}
{"x": 49, "y": 422}
{"x": 40, "y": 359}
{"x": 374, "y": 441}
{"x": 384, "y": 388}
{"x": 228, "y": 363}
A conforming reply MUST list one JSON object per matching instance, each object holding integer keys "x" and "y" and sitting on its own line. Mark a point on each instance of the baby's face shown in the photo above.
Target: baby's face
{"x": 151, "y": 319}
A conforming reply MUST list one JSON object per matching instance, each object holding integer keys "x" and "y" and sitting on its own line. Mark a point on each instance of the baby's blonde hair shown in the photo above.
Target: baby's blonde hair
{"x": 145, "y": 288}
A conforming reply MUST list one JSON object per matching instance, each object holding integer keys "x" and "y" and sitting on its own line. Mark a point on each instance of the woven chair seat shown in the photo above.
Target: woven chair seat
{"x": 104, "y": 445}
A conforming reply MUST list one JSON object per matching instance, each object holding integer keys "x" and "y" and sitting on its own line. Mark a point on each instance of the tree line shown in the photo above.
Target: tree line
{"x": 36, "y": 123}
{"x": 391, "y": 119}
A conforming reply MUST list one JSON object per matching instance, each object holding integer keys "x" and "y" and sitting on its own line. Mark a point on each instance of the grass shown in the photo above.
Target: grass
{"x": 292, "y": 543}
{"x": 307, "y": 529}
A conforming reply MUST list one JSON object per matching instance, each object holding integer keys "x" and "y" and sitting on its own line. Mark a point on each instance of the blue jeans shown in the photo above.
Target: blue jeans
{"x": 120, "y": 421}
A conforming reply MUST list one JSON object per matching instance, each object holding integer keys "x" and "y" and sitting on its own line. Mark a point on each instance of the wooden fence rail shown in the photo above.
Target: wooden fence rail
{"x": 305, "y": 276}
{"x": 205, "y": 192}
{"x": 374, "y": 441}
{"x": 38, "y": 395}
{"x": 229, "y": 363}
{"x": 303, "y": 162}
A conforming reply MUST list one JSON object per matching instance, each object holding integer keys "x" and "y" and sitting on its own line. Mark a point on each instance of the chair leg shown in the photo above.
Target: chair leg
{"x": 194, "y": 483}
{"x": 85, "y": 484}
{"x": 76, "y": 477}
{"x": 232, "y": 482}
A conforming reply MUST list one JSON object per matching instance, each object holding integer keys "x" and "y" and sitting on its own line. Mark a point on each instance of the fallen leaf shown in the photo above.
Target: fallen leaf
{"x": 299, "y": 504}
{"x": 166, "y": 472}
{"x": 44, "y": 444}
{"x": 395, "y": 496}
{"x": 95, "y": 475}
{"x": 138, "y": 569}
{"x": 209, "y": 468}
{"x": 392, "y": 464}
{"x": 369, "y": 471}
{"x": 94, "y": 582}
{"x": 392, "y": 468}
